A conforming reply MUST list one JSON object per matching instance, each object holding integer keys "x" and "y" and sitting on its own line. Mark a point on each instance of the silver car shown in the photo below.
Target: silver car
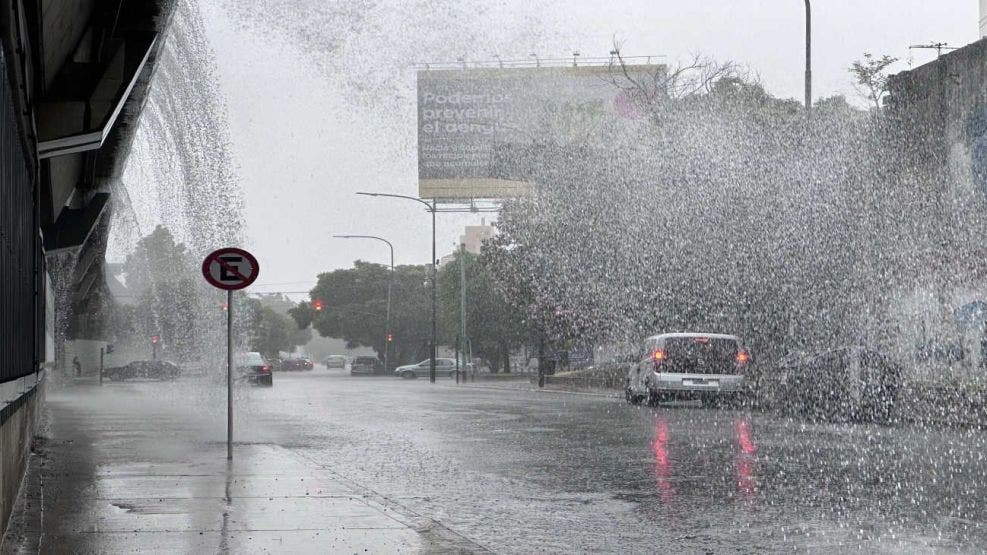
{"x": 444, "y": 367}
{"x": 706, "y": 366}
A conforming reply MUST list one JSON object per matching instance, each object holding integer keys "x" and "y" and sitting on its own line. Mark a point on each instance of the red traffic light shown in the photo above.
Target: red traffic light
{"x": 317, "y": 304}
{"x": 155, "y": 339}
{"x": 390, "y": 337}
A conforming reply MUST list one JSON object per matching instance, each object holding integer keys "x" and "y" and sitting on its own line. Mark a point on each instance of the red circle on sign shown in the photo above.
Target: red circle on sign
{"x": 222, "y": 270}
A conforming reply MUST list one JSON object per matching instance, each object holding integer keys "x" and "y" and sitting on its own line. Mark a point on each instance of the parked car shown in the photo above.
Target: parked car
{"x": 366, "y": 366}
{"x": 848, "y": 383}
{"x": 707, "y": 366}
{"x": 252, "y": 368}
{"x": 444, "y": 367}
{"x": 297, "y": 363}
{"x": 335, "y": 361}
{"x": 147, "y": 369}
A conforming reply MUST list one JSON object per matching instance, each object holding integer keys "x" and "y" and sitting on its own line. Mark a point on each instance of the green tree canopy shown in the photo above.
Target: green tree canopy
{"x": 162, "y": 275}
{"x": 494, "y": 325}
{"x": 354, "y": 302}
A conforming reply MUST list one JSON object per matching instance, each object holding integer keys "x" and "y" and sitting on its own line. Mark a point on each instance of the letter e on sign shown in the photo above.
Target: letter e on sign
{"x": 230, "y": 269}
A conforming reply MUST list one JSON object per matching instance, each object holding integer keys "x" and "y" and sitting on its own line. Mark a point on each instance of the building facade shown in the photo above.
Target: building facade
{"x": 938, "y": 131}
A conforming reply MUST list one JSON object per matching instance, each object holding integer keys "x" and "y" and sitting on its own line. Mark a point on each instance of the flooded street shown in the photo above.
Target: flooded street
{"x": 511, "y": 469}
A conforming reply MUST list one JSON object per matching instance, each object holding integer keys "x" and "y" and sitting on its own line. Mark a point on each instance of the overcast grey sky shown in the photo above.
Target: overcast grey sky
{"x": 313, "y": 125}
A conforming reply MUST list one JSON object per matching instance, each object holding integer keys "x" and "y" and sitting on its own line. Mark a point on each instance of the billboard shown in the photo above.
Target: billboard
{"x": 470, "y": 121}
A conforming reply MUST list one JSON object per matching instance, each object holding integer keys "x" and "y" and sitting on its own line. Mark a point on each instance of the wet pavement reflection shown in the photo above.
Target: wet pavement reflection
{"x": 575, "y": 472}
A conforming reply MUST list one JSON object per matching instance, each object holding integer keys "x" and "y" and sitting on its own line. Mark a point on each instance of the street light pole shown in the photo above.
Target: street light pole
{"x": 431, "y": 370}
{"x": 808, "y": 61}
{"x": 431, "y": 208}
{"x": 390, "y": 282}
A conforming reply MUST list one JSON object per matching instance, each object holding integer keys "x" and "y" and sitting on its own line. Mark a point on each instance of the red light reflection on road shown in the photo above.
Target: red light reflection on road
{"x": 663, "y": 470}
{"x": 745, "y": 460}
{"x": 744, "y": 440}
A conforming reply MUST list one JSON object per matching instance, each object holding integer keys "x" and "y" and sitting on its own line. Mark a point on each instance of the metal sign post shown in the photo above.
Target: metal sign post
{"x": 230, "y": 269}
{"x": 229, "y": 374}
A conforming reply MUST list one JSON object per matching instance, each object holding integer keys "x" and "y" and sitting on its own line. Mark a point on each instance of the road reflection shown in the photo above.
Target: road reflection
{"x": 691, "y": 460}
{"x": 745, "y": 459}
{"x": 663, "y": 466}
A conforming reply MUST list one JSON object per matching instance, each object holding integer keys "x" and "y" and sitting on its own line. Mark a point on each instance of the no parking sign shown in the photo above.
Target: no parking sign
{"x": 230, "y": 269}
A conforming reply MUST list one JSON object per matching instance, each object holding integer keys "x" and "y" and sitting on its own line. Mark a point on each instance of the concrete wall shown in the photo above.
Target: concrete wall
{"x": 939, "y": 115}
{"x": 20, "y": 409}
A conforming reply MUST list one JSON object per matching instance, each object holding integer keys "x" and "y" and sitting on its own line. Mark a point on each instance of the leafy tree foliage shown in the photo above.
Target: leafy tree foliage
{"x": 494, "y": 324}
{"x": 721, "y": 211}
{"x": 871, "y": 77}
{"x": 282, "y": 305}
{"x": 162, "y": 274}
{"x": 271, "y": 329}
{"x": 355, "y": 308}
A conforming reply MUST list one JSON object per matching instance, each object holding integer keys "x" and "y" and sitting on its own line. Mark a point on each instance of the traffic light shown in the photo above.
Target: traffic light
{"x": 155, "y": 339}
{"x": 390, "y": 337}
{"x": 225, "y": 307}
{"x": 317, "y": 304}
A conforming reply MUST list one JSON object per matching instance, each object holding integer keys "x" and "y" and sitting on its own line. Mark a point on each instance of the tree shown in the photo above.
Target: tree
{"x": 494, "y": 325}
{"x": 871, "y": 77}
{"x": 162, "y": 273}
{"x": 694, "y": 78}
{"x": 269, "y": 330}
{"x": 354, "y": 304}
{"x": 723, "y": 214}
{"x": 282, "y": 306}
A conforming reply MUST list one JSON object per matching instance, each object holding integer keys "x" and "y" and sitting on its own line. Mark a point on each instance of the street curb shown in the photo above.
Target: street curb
{"x": 439, "y": 537}
{"x": 540, "y": 390}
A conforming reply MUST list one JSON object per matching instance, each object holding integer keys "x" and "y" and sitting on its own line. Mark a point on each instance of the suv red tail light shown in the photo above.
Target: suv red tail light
{"x": 266, "y": 369}
{"x": 659, "y": 356}
{"x": 743, "y": 358}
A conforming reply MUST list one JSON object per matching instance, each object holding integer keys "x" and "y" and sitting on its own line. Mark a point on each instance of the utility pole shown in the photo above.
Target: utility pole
{"x": 808, "y": 61}
{"x": 431, "y": 208}
{"x": 462, "y": 301}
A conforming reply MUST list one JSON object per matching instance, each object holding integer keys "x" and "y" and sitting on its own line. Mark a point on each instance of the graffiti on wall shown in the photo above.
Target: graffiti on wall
{"x": 976, "y": 135}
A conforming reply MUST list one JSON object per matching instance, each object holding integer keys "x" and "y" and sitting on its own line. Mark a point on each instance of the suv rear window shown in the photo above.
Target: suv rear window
{"x": 701, "y": 355}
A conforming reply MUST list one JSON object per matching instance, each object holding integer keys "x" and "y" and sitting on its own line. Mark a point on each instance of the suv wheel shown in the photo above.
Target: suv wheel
{"x": 631, "y": 397}
{"x": 654, "y": 398}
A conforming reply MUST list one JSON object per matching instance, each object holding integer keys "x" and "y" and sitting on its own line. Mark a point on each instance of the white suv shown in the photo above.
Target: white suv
{"x": 706, "y": 366}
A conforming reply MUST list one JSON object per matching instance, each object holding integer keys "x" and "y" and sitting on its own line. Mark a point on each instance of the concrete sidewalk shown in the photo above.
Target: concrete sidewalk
{"x": 103, "y": 481}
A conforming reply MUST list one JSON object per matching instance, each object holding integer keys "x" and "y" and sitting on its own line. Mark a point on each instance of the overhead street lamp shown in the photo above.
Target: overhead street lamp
{"x": 387, "y": 324}
{"x": 431, "y": 208}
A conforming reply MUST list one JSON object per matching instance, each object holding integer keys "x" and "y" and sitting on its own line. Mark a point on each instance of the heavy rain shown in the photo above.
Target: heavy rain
{"x": 413, "y": 276}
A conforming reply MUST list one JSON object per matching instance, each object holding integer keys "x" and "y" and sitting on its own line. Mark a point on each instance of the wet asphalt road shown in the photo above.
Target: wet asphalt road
{"x": 517, "y": 470}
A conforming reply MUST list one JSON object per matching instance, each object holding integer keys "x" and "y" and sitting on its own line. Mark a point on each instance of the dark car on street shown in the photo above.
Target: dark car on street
{"x": 366, "y": 366}
{"x": 297, "y": 363}
{"x": 144, "y": 369}
{"x": 252, "y": 368}
{"x": 845, "y": 384}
